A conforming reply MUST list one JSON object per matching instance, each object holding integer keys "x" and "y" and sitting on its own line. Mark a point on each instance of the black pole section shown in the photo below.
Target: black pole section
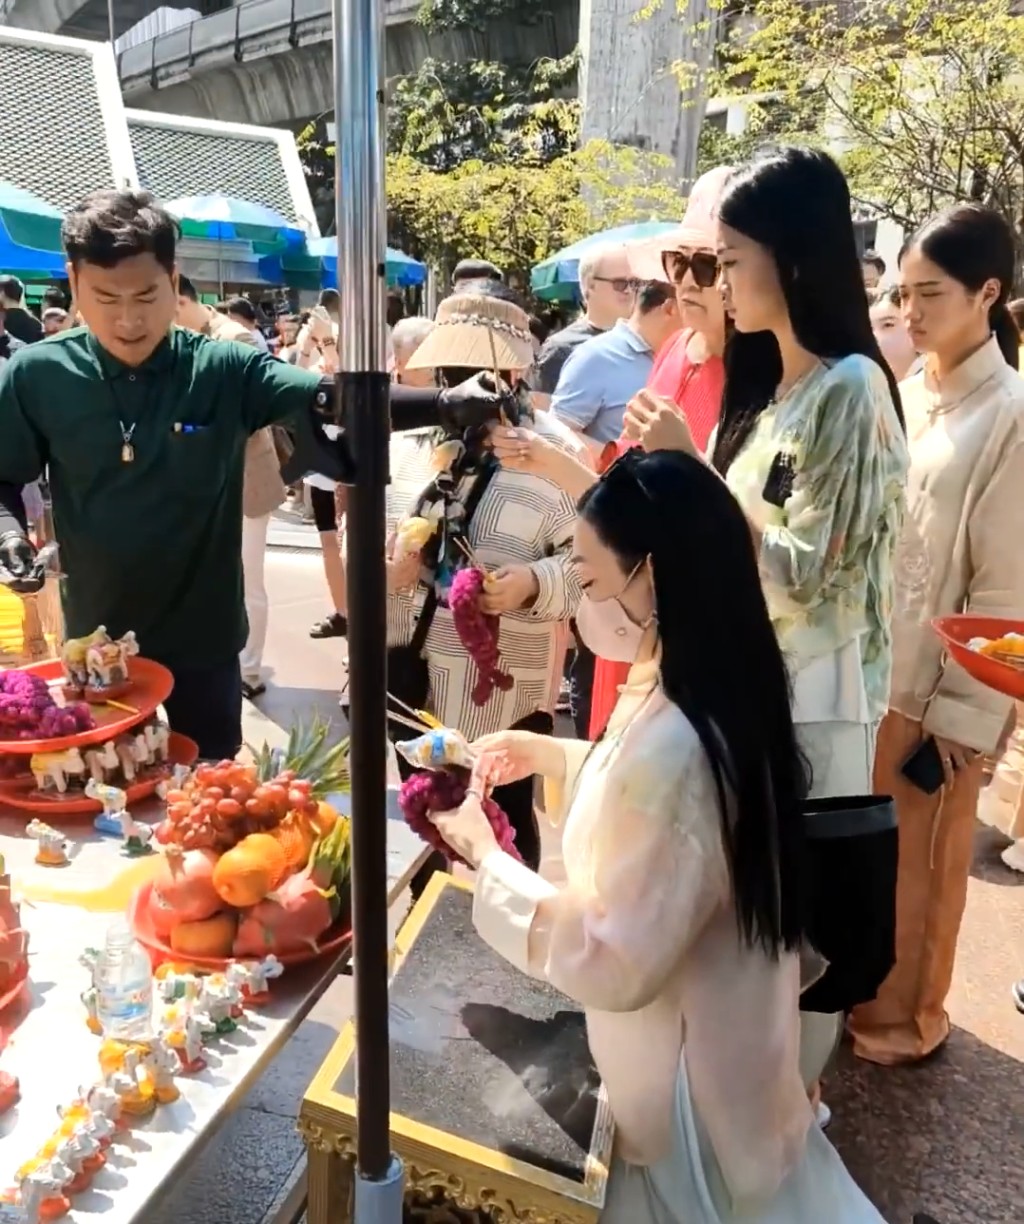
{"x": 363, "y": 405}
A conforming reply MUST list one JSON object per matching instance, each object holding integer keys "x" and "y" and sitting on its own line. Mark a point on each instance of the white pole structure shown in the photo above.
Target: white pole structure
{"x": 363, "y": 410}
{"x": 110, "y": 20}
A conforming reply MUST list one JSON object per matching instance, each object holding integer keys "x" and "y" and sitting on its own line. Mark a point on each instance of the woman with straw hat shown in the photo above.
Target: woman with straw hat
{"x": 517, "y": 526}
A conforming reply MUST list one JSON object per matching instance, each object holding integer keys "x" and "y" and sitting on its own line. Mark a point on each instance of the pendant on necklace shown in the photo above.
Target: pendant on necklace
{"x": 127, "y": 453}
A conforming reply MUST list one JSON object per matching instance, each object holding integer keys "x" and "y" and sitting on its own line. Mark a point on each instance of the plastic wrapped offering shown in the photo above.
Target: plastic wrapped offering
{"x": 437, "y": 749}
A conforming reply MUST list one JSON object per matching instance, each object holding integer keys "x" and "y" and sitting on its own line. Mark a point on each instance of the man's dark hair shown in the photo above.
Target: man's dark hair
{"x": 890, "y": 294}
{"x": 653, "y": 294}
{"x": 187, "y": 289}
{"x": 474, "y": 270}
{"x": 875, "y": 260}
{"x": 108, "y": 227}
{"x": 329, "y": 299}
{"x": 243, "y": 308}
{"x": 54, "y": 298}
{"x": 11, "y": 288}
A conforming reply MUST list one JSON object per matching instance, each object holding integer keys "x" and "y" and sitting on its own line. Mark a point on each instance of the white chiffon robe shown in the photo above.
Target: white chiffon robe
{"x": 695, "y": 1034}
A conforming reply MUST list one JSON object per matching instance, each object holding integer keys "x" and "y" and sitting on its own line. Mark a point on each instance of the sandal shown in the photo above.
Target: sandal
{"x": 331, "y": 626}
{"x": 251, "y": 691}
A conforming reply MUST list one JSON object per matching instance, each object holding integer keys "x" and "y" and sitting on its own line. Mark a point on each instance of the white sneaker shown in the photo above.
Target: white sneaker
{"x": 1013, "y": 855}
{"x": 823, "y": 1115}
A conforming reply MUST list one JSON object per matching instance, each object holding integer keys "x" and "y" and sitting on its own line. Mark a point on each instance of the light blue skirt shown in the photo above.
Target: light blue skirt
{"x": 686, "y": 1186}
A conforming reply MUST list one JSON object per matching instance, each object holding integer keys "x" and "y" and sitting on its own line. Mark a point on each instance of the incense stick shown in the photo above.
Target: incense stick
{"x": 417, "y": 714}
{"x": 418, "y": 727}
{"x": 497, "y": 377}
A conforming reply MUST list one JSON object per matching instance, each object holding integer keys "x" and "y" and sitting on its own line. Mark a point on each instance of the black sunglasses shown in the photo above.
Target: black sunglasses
{"x": 702, "y": 264}
{"x": 620, "y": 284}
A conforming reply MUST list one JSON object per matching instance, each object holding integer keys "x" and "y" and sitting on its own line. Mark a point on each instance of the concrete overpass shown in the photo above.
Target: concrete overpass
{"x": 268, "y": 62}
{"x": 89, "y": 18}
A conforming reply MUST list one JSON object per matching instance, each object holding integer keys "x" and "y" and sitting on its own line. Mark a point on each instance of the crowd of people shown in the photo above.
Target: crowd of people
{"x": 729, "y": 498}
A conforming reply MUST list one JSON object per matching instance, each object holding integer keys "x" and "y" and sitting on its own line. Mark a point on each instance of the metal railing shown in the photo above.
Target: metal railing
{"x": 233, "y": 28}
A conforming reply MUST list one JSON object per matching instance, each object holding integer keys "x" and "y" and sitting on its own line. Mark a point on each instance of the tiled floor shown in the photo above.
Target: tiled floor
{"x": 946, "y": 1137}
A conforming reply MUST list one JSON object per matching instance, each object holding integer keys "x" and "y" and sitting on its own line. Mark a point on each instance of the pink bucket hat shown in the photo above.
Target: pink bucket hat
{"x": 697, "y": 228}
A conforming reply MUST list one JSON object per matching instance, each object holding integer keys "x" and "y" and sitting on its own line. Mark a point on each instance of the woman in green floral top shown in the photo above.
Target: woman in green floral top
{"x": 811, "y": 442}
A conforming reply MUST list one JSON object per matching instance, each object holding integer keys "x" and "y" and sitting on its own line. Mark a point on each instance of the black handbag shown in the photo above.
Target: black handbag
{"x": 852, "y": 852}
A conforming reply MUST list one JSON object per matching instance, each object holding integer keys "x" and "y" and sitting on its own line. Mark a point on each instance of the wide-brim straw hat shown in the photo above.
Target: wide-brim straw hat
{"x": 479, "y": 333}
{"x": 696, "y": 230}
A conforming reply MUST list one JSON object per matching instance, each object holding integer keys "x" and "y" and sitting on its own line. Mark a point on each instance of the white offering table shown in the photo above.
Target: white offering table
{"x": 53, "y": 1053}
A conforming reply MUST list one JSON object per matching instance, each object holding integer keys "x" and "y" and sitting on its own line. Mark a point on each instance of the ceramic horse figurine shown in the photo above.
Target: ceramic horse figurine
{"x": 41, "y": 1192}
{"x": 53, "y": 769}
{"x": 106, "y": 661}
{"x": 102, "y": 762}
{"x": 132, "y": 754}
{"x": 158, "y": 738}
{"x": 138, "y": 838}
{"x": 159, "y": 1064}
{"x": 52, "y": 849}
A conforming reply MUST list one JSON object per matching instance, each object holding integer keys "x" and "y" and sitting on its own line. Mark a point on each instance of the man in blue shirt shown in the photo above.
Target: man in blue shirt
{"x": 604, "y": 373}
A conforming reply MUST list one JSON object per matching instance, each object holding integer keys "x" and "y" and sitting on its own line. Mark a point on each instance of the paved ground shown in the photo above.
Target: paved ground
{"x": 946, "y": 1137}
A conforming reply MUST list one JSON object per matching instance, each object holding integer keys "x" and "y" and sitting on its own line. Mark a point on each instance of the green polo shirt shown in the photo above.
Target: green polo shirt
{"x": 153, "y": 545}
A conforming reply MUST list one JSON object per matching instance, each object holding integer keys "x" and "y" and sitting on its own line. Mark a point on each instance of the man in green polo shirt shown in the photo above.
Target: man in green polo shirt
{"x": 142, "y": 427}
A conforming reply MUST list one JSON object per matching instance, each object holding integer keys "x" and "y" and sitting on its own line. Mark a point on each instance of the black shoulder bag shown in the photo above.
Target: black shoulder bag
{"x": 408, "y": 673}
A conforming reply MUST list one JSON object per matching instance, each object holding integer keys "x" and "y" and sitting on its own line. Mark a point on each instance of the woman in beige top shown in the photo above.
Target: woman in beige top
{"x": 679, "y": 924}
{"x": 960, "y": 550}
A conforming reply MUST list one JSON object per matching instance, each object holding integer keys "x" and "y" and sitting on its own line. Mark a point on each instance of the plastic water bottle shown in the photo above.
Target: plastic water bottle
{"x": 124, "y": 986}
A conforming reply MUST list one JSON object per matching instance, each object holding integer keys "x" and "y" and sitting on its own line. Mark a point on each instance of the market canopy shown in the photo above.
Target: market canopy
{"x": 28, "y": 219}
{"x": 226, "y": 218}
{"x": 556, "y": 279}
{"x": 402, "y": 270}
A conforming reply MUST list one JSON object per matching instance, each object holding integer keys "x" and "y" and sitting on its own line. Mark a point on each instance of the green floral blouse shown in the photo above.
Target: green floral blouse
{"x": 827, "y": 550}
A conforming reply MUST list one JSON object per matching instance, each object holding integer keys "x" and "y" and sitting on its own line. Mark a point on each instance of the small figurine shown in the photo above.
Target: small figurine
{"x": 254, "y": 977}
{"x": 119, "y": 1063}
{"x": 96, "y": 667}
{"x": 184, "y": 986}
{"x": 127, "y": 749}
{"x": 41, "y": 1192}
{"x": 184, "y": 1035}
{"x": 158, "y": 738}
{"x": 219, "y": 1000}
{"x": 114, "y": 802}
{"x": 13, "y": 936}
{"x": 90, "y": 999}
{"x": 159, "y": 1064}
{"x": 51, "y": 848}
{"x": 102, "y": 763}
{"x": 10, "y": 1091}
{"x": 138, "y": 838}
{"x": 77, "y": 1152}
{"x": 179, "y": 775}
{"x": 52, "y": 770}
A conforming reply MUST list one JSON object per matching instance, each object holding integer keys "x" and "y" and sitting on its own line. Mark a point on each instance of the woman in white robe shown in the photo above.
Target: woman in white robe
{"x": 678, "y": 928}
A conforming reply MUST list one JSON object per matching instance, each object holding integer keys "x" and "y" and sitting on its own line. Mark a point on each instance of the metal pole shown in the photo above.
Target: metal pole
{"x": 363, "y": 408}
{"x": 110, "y": 20}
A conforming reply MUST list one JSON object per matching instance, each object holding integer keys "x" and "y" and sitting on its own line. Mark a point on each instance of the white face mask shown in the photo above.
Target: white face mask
{"x": 607, "y": 629}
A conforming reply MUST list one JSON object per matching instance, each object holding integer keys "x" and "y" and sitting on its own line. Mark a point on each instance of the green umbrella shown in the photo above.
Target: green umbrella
{"x": 29, "y": 221}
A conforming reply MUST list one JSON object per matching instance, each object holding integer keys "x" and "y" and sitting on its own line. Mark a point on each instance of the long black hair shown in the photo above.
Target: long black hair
{"x": 721, "y": 665}
{"x": 974, "y": 244}
{"x": 796, "y": 203}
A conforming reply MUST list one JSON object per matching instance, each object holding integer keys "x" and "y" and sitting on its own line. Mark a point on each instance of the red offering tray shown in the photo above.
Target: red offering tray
{"x": 957, "y": 631}
{"x": 151, "y": 686}
{"x": 332, "y": 941}
{"x": 180, "y": 750}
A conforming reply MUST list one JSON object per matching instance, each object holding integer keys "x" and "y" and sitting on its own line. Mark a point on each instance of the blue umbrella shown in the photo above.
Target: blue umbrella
{"x": 557, "y": 277}
{"x": 227, "y": 217}
{"x": 28, "y": 220}
{"x": 402, "y": 269}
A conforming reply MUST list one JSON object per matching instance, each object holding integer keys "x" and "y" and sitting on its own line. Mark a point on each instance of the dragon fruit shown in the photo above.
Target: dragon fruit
{"x": 429, "y": 791}
{"x": 478, "y": 632}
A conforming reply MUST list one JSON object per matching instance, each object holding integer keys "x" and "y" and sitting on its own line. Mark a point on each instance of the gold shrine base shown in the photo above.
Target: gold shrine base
{"x": 448, "y": 1180}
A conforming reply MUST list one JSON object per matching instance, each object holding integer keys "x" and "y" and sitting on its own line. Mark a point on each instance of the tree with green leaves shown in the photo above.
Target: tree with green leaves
{"x": 517, "y": 215}
{"x": 922, "y": 100}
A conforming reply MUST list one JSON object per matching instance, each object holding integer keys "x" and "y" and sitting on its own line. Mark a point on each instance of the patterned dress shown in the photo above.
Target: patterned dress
{"x": 521, "y": 520}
